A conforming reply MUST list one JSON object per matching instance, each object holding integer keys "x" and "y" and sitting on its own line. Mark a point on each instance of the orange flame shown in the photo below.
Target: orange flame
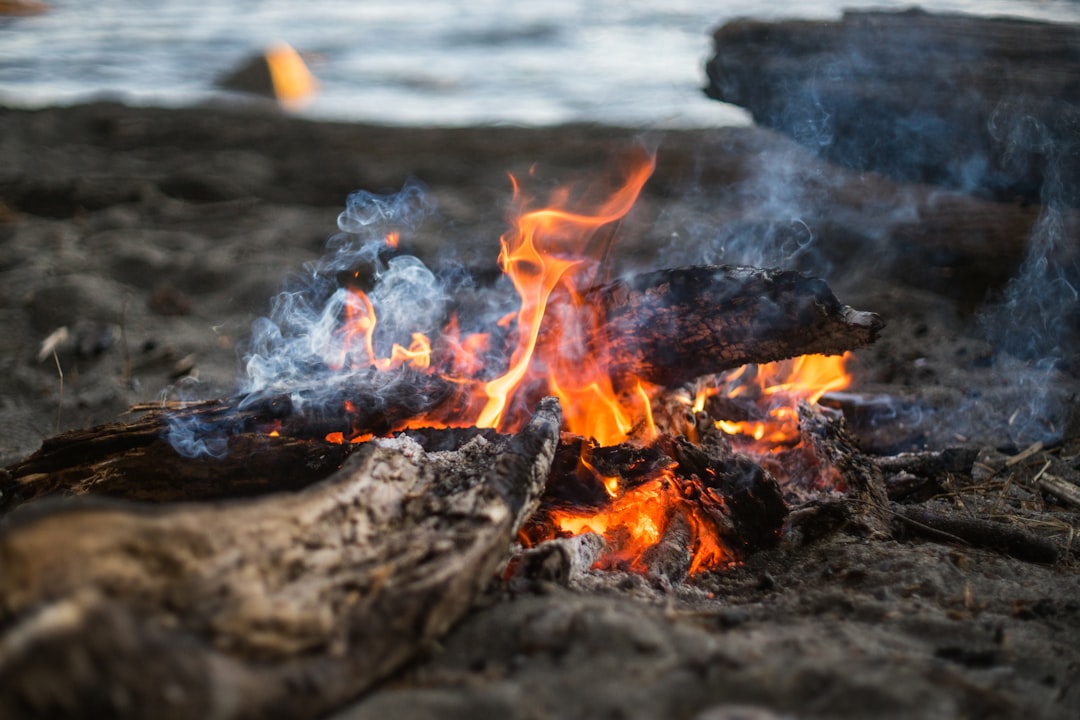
{"x": 610, "y": 482}
{"x": 358, "y": 333}
{"x": 637, "y": 519}
{"x": 465, "y": 355}
{"x": 548, "y": 248}
{"x": 781, "y": 385}
{"x": 555, "y": 250}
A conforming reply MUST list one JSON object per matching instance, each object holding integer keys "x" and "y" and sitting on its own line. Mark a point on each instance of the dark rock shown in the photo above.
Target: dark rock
{"x": 987, "y": 105}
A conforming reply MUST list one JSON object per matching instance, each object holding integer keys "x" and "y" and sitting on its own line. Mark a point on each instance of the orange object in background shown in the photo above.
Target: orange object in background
{"x": 279, "y": 73}
{"x": 23, "y": 7}
{"x": 292, "y": 81}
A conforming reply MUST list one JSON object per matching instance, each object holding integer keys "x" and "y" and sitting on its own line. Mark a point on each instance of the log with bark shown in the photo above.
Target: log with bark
{"x": 282, "y": 606}
{"x": 673, "y": 326}
{"x": 990, "y": 105}
{"x": 666, "y": 327}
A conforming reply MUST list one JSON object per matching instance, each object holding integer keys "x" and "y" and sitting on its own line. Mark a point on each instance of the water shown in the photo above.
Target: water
{"x": 414, "y": 61}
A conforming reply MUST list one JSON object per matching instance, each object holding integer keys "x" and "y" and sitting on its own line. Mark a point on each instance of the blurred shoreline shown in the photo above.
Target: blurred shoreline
{"x": 414, "y": 62}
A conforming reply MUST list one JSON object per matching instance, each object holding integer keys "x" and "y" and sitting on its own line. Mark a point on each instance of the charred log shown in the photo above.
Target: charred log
{"x": 282, "y": 606}
{"x": 916, "y": 474}
{"x": 580, "y": 464}
{"x": 672, "y": 326}
{"x": 837, "y": 456}
{"x": 750, "y": 499}
{"x": 132, "y": 461}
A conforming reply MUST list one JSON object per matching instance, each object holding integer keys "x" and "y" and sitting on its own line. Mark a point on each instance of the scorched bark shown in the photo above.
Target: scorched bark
{"x": 671, "y": 326}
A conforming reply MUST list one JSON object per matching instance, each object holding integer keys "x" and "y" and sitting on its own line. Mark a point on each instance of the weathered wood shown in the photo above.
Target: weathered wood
{"x": 1067, "y": 492}
{"x": 990, "y": 105}
{"x": 672, "y": 326}
{"x": 282, "y": 606}
{"x": 560, "y": 561}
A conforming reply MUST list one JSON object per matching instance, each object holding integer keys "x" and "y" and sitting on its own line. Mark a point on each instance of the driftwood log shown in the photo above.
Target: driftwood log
{"x": 282, "y": 606}
{"x": 990, "y": 105}
{"x": 667, "y": 327}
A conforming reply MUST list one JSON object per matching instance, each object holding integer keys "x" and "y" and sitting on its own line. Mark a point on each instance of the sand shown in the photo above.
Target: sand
{"x": 138, "y": 245}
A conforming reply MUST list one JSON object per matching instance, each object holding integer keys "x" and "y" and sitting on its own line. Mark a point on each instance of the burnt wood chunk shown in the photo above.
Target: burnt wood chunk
{"x": 985, "y": 105}
{"x": 282, "y": 606}
{"x": 743, "y": 499}
{"x": 672, "y": 326}
{"x": 133, "y": 460}
{"x": 837, "y": 454}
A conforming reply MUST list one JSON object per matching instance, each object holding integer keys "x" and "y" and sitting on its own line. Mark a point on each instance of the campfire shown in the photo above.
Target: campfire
{"x": 432, "y": 432}
{"x": 634, "y": 363}
{"x": 606, "y": 446}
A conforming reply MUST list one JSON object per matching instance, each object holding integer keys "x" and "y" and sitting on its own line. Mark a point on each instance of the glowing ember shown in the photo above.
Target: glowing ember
{"x": 638, "y": 518}
{"x": 777, "y": 387}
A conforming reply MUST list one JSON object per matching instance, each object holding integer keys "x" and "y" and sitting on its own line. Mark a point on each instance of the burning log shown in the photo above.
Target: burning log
{"x": 993, "y": 107}
{"x": 672, "y": 326}
{"x": 283, "y": 606}
{"x": 668, "y": 509}
{"x": 666, "y": 327}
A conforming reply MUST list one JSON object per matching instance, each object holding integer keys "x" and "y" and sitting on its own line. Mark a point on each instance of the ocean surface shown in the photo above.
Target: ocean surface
{"x": 415, "y": 62}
